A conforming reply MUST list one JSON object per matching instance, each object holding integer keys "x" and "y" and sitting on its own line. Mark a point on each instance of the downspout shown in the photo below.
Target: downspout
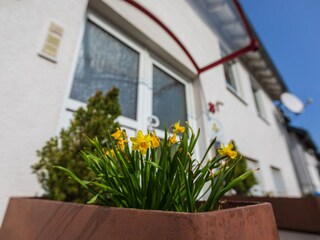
{"x": 253, "y": 45}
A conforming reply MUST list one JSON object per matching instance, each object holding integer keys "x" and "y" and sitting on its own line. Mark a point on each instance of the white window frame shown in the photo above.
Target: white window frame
{"x": 237, "y": 88}
{"x": 234, "y": 71}
{"x": 146, "y": 62}
{"x": 188, "y": 92}
{"x": 258, "y": 189}
{"x": 258, "y": 98}
{"x": 277, "y": 175}
{"x": 125, "y": 121}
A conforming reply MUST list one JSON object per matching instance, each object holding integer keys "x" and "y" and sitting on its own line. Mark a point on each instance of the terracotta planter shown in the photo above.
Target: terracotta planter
{"x": 297, "y": 214}
{"x": 43, "y": 219}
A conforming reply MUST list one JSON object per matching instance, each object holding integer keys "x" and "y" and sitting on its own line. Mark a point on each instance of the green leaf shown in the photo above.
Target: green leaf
{"x": 92, "y": 200}
{"x": 153, "y": 164}
{"x": 73, "y": 176}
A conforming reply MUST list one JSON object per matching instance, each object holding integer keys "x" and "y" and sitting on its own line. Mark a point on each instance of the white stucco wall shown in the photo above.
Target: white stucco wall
{"x": 257, "y": 138}
{"x": 33, "y": 90}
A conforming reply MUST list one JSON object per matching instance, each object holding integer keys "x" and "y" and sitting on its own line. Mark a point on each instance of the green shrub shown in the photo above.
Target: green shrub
{"x": 95, "y": 120}
{"x": 244, "y": 187}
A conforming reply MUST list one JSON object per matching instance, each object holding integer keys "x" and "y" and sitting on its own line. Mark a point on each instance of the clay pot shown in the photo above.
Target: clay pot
{"x": 28, "y": 218}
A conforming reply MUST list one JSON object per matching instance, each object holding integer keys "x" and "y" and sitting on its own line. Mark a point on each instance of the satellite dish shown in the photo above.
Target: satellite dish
{"x": 292, "y": 102}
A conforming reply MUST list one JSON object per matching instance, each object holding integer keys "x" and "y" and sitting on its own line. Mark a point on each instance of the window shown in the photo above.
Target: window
{"x": 231, "y": 75}
{"x": 150, "y": 94}
{"x": 169, "y": 99}
{"x": 256, "y": 190}
{"x": 258, "y": 100}
{"x": 105, "y": 62}
{"x": 278, "y": 182}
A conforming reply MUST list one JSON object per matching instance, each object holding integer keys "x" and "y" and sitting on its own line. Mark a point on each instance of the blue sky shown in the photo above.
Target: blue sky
{"x": 290, "y": 31}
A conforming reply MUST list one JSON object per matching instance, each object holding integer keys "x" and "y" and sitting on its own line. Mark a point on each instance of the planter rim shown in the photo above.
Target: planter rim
{"x": 35, "y": 218}
{"x": 245, "y": 204}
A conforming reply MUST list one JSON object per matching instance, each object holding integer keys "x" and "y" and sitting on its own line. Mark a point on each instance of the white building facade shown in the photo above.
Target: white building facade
{"x": 305, "y": 159}
{"x": 55, "y": 54}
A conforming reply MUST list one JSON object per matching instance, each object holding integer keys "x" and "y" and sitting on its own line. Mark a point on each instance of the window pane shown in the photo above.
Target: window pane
{"x": 229, "y": 71}
{"x": 104, "y": 62}
{"x": 258, "y": 101}
{"x": 256, "y": 190}
{"x": 169, "y": 99}
{"x": 278, "y": 181}
{"x": 229, "y": 74}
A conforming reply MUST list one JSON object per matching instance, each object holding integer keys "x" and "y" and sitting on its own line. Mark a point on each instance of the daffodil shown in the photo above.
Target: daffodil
{"x": 121, "y": 143}
{"x": 173, "y": 139}
{"x": 227, "y": 151}
{"x": 155, "y": 141}
{"x": 141, "y": 142}
{"x": 178, "y": 128}
{"x": 118, "y": 134}
{"x": 110, "y": 153}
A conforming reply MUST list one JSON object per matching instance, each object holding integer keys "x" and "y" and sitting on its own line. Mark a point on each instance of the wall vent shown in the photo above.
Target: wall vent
{"x": 52, "y": 42}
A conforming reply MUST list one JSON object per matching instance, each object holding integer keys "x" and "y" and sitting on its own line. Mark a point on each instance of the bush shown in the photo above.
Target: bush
{"x": 243, "y": 188}
{"x": 95, "y": 120}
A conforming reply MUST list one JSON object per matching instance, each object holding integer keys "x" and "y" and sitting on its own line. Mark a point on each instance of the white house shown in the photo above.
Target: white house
{"x": 55, "y": 54}
{"x": 305, "y": 159}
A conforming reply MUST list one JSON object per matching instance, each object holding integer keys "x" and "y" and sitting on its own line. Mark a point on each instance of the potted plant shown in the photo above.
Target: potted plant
{"x": 153, "y": 190}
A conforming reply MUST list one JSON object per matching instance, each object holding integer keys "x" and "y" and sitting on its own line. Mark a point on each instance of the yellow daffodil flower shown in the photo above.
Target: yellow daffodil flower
{"x": 155, "y": 141}
{"x": 178, "y": 128}
{"x": 121, "y": 143}
{"x": 173, "y": 139}
{"x": 141, "y": 142}
{"x": 110, "y": 153}
{"x": 227, "y": 151}
{"x": 118, "y": 134}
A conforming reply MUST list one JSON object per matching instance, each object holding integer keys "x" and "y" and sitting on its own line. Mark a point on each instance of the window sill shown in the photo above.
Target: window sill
{"x": 237, "y": 95}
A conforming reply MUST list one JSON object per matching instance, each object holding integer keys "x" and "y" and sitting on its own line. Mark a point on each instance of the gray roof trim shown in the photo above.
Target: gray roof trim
{"x": 304, "y": 137}
{"x": 223, "y": 18}
{"x": 269, "y": 82}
